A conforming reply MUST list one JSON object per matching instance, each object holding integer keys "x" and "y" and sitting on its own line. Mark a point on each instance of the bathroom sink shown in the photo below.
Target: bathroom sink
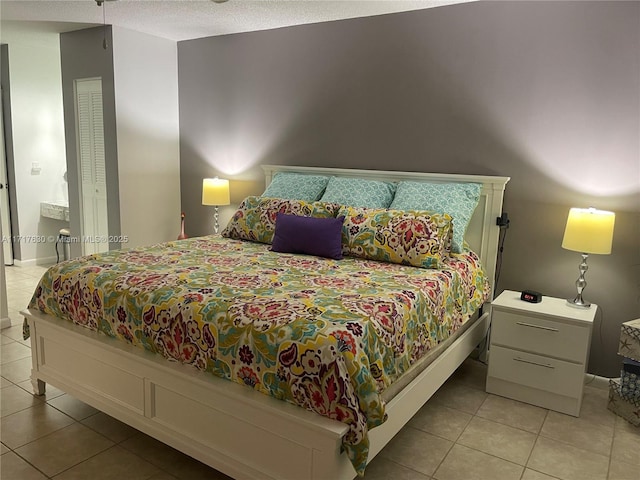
{"x": 57, "y": 210}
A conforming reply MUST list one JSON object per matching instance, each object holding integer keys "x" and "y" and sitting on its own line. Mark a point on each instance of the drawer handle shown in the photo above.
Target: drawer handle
{"x": 546, "y": 365}
{"x": 537, "y": 326}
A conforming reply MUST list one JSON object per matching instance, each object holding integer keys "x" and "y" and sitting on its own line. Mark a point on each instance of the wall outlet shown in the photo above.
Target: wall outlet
{"x": 35, "y": 168}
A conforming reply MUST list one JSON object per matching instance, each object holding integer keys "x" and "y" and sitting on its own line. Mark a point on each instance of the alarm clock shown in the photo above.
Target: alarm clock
{"x": 531, "y": 296}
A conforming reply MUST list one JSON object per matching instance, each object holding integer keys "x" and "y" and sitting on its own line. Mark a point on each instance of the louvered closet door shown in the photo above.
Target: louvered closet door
{"x": 91, "y": 158}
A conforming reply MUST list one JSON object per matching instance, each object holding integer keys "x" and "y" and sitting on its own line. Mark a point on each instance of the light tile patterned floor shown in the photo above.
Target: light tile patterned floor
{"x": 462, "y": 433}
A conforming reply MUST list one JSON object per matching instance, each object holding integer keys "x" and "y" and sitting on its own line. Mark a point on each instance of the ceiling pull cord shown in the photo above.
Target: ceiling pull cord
{"x": 100, "y": 3}
{"x": 104, "y": 27}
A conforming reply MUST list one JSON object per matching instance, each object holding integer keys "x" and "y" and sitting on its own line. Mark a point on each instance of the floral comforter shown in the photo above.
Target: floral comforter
{"x": 327, "y": 335}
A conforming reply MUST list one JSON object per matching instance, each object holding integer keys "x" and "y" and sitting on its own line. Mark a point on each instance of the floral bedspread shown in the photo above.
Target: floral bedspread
{"x": 327, "y": 335}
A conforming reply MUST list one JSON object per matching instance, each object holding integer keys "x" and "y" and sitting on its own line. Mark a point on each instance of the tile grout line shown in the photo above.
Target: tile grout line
{"x": 75, "y": 421}
{"x": 56, "y": 431}
{"x": 29, "y": 463}
{"x": 526, "y": 463}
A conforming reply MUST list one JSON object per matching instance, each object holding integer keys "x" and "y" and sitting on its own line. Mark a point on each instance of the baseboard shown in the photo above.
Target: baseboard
{"x": 34, "y": 261}
{"x": 596, "y": 381}
{"x": 5, "y": 323}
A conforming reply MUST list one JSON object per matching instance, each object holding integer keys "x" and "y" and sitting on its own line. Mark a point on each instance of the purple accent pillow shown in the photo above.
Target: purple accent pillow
{"x": 321, "y": 237}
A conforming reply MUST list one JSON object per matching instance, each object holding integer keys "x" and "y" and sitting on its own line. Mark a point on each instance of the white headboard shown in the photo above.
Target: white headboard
{"x": 483, "y": 232}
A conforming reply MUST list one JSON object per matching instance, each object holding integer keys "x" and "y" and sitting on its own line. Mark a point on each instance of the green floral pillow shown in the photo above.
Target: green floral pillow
{"x": 416, "y": 238}
{"x": 255, "y": 219}
{"x": 457, "y": 199}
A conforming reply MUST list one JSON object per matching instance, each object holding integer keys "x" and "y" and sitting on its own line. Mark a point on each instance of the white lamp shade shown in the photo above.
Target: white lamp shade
{"x": 215, "y": 191}
{"x": 589, "y": 231}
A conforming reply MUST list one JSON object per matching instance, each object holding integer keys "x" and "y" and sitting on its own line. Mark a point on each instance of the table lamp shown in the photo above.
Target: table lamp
{"x": 215, "y": 191}
{"x": 588, "y": 231}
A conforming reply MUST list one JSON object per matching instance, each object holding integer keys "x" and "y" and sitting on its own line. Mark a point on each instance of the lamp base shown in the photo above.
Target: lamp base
{"x": 578, "y": 302}
{"x": 581, "y": 283}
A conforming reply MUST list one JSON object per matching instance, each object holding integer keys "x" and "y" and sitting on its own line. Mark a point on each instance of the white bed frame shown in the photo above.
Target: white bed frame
{"x": 235, "y": 429}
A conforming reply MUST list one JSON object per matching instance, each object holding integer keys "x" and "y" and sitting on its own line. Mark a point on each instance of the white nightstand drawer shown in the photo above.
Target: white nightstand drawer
{"x": 546, "y": 337}
{"x": 536, "y": 371}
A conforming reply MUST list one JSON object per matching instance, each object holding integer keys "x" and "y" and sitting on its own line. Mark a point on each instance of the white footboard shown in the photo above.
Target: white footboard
{"x": 234, "y": 429}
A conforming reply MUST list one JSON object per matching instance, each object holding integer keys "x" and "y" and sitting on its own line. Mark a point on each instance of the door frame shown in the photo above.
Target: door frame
{"x": 5, "y": 201}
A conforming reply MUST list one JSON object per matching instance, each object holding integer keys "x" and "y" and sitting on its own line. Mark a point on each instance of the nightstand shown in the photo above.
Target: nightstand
{"x": 538, "y": 351}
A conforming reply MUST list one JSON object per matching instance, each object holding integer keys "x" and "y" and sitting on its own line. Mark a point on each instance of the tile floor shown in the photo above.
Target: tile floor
{"x": 462, "y": 433}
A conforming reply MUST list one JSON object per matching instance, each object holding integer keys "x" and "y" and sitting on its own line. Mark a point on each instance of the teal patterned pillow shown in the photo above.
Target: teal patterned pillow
{"x": 419, "y": 239}
{"x": 457, "y": 199}
{"x": 296, "y": 186}
{"x": 357, "y": 192}
{"x": 255, "y": 219}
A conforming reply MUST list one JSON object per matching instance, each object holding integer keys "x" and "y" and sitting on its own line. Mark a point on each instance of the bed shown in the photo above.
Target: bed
{"x": 238, "y": 430}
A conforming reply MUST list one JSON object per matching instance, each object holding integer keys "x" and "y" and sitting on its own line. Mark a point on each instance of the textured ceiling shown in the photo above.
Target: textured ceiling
{"x": 186, "y": 19}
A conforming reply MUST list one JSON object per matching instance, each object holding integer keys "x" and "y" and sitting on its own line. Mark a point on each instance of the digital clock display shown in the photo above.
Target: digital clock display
{"x": 531, "y": 296}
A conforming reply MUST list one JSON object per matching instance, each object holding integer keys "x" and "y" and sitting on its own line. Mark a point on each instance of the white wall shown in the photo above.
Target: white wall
{"x": 38, "y": 134}
{"x": 146, "y": 91}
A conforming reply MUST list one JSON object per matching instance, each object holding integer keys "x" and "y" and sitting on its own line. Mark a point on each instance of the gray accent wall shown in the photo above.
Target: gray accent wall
{"x": 544, "y": 92}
